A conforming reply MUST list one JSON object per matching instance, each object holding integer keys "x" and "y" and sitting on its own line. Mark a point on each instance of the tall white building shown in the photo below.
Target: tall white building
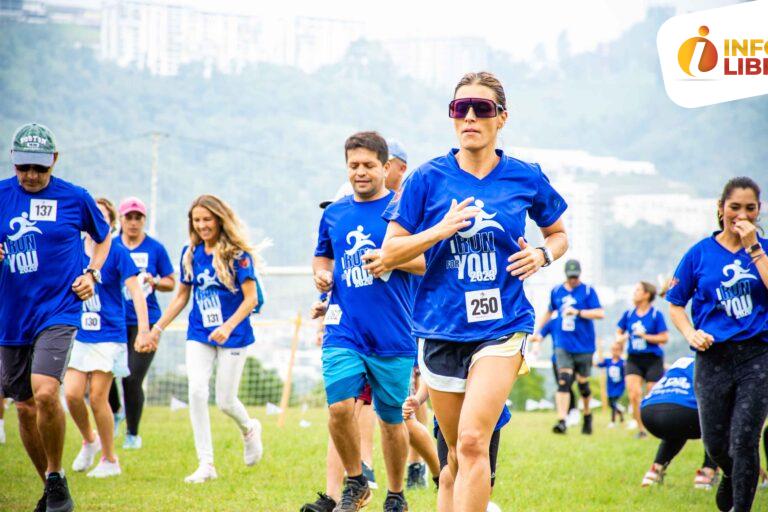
{"x": 162, "y": 37}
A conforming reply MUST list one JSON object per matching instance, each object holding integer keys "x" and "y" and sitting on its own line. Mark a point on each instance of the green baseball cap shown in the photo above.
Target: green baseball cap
{"x": 33, "y": 144}
{"x": 572, "y": 268}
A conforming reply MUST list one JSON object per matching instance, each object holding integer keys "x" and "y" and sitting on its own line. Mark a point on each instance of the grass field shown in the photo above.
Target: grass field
{"x": 537, "y": 471}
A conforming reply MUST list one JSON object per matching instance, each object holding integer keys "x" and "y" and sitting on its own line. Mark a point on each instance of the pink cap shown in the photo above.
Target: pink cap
{"x": 132, "y": 204}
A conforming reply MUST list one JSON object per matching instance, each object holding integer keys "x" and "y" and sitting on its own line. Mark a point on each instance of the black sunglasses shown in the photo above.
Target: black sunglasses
{"x": 40, "y": 169}
{"x": 458, "y": 109}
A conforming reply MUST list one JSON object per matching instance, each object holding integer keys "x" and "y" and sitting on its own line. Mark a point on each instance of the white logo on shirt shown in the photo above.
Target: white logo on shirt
{"x": 361, "y": 240}
{"x": 25, "y": 226}
{"x": 735, "y": 294}
{"x": 206, "y": 280}
{"x": 482, "y": 221}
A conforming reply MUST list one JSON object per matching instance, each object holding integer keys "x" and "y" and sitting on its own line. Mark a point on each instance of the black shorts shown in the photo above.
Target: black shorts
{"x": 48, "y": 355}
{"x": 648, "y": 366}
{"x": 493, "y": 452}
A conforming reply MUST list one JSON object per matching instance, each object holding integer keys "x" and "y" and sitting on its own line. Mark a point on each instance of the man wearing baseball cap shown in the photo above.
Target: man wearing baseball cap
{"x": 397, "y": 163}
{"x": 578, "y": 306}
{"x": 42, "y": 286}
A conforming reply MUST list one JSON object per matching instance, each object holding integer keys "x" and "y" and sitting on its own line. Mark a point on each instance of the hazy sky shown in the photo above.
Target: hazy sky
{"x": 514, "y": 26}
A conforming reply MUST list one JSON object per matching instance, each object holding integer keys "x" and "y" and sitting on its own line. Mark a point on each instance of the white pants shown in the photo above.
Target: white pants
{"x": 200, "y": 360}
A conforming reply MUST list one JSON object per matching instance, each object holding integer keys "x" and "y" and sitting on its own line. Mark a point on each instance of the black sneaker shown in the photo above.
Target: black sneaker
{"x": 395, "y": 503}
{"x": 43, "y": 503}
{"x": 354, "y": 497}
{"x": 417, "y": 475}
{"x": 560, "y": 427}
{"x": 58, "y": 499}
{"x": 324, "y": 503}
{"x": 586, "y": 428}
{"x": 724, "y": 496}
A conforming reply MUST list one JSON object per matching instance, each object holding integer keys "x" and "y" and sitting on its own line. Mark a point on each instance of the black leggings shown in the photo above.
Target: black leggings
{"x": 674, "y": 425}
{"x": 572, "y": 397}
{"x": 613, "y": 401}
{"x": 731, "y": 382}
{"x": 133, "y": 394}
{"x": 493, "y": 452}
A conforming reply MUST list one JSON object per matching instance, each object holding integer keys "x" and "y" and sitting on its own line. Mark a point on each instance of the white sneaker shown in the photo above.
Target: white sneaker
{"x": 252, "y": 447}
{"x": 2, "y": 432}
{"x": 492, "y": 507}
{"x": 203, "y": 473}
{"x": 105, "y": 469}
{"x": 573, "y": 418}
{"x": 631, "y": 425}
{"x": 87, "y": 454}
{"x": 611, "y": 425}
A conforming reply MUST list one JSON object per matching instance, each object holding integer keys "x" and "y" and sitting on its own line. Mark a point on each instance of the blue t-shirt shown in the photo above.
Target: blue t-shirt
{"x": 40, "y": 234}
{"x": 577, "y": 335}
{"x": 213, "y": 303}
{"x": 151, "y": 258}
{"x": 614, "y": 371}
{"x": 466, "y": 293}
{"x": 504, "y": 418}
{"x": 730, "y": 300}
{"x": 550, "y": 329}
{"x": 652, "y": 322}
{"x": 103, "y": 315}
{"x": 675, "y": 387}
{"x": 371, "y": 316}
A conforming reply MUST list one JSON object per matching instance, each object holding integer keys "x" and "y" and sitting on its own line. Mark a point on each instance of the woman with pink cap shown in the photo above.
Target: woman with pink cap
{"x": 156, "y": 275}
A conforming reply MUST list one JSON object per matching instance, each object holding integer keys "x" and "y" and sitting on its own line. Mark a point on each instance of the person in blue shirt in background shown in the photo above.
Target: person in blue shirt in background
{"x": 156, "y": 276}
{"x": 367, "y": 323}
{"x": 99, "y": 353}
{"x": 219, "y": 272}
{"x": 466, "y": 212}
{"x": 578, "y": 307}
{"x": 551, "y": 329}
{"x": 644, "y": 330}
{"x": 42, "y": 285}
{"x": 614, "y": 373}
{"x": 670, "y": 412}
{"x": 726, "y": 277}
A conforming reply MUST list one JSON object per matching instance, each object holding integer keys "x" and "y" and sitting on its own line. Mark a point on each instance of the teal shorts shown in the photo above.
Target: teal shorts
{"x": 345, "y": 372}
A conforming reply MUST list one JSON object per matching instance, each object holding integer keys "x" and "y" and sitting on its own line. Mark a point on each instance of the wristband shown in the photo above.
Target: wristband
{"x": 578, "y": 313}
{"x": 157, "y": 327}
{"x": 754, "y": 248}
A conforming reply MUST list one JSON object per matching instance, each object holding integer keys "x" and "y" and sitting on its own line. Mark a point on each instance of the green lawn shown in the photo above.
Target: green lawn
{"x": 537, "y": 470}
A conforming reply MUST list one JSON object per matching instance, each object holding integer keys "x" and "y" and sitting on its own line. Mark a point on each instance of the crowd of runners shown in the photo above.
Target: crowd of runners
{"x": 420, "y": 281}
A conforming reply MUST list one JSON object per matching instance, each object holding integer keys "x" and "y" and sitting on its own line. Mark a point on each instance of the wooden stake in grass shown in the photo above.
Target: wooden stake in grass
{"x": 285, "y": 399}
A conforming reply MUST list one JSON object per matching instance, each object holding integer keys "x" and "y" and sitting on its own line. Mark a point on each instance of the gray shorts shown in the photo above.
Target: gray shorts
{"x": 580, "y": 363}
{"x": 48, "y": 355}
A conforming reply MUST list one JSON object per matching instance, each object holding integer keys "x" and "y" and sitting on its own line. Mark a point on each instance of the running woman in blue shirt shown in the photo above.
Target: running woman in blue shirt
{"x": 466, "y": 212}
{"x": 99, "y": 352}
{"x": 156, "y": 276}
{"x": 644, "y": 330}
{"x": 217, "y": 272}
{"x": 670, "y": 412}
{"x": 43, "y": 285}
{"x": 726, "y": 277}
{"x": 578, "y": 307}
{"x": 367, "y": 323}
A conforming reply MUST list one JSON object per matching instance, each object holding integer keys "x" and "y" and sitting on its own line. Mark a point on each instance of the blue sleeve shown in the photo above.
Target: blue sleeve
{"x": 548, "y": 205}
{"x": 164, "y": 265}
{"x": 683, "y": 283}
{"x": 661, "y": 324}
{"x": 547, "y": 329}
{"x": 407, "y": 207}
{"x": 603, "y": 363}
{"x": 244, "y": 268}
{"x": 593, "y": 302}
{"x": 324, "y": 246}
{"x": 623, "y": 321}
{"x": 92, "y": 221}
{"x": 125, "y": 265}
{"x": 182, "y": 276}
{"x": 259, "y": 293}
{"x": 552, "y": 305}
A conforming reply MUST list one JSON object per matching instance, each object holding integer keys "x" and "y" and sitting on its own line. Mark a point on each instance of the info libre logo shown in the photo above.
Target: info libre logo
{"x": 698, "y": 55}
{"x": 714, "y": 56}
